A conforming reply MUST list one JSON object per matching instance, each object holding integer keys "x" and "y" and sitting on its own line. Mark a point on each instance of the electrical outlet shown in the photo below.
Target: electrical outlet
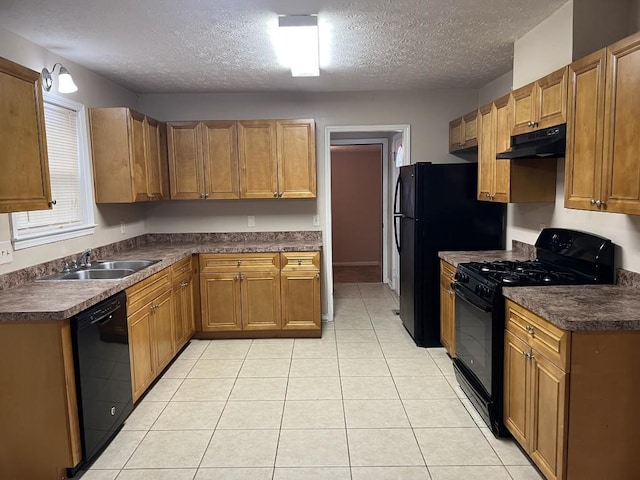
{"x": 6, "y": 252}
{"x": 251, "y": 221}
{"x": 316, "y": 220}
{"x": 123, "y": 228}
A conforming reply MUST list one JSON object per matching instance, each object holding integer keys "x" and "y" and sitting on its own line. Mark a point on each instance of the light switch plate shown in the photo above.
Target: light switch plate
{"x": 6, "y": 252}
{"x": 316, "y": 220}
{"x": 251, "y": 221}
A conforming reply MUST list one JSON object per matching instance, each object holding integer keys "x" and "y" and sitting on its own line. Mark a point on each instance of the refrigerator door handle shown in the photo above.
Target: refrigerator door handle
{"x": 395, "y": 230}
{"x": 395, "y": 195}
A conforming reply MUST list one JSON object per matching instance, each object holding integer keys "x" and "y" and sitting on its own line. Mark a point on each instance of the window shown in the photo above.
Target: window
{"x": 72, "y": 213}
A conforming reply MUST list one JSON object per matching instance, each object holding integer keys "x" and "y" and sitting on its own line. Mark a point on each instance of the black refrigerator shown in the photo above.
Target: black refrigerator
{"x": 436, "y": 209}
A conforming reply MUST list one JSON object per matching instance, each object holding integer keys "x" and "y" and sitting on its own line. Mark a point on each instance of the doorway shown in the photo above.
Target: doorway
{"x": 357, "y": 212}
{"x": 351, "y": 134}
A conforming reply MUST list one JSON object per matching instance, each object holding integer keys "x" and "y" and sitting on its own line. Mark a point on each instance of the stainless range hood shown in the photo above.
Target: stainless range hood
{"x": 547, "y": 143}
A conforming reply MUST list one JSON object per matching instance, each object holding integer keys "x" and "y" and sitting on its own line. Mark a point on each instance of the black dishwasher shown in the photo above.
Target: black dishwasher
{"x": 103, "y": 375}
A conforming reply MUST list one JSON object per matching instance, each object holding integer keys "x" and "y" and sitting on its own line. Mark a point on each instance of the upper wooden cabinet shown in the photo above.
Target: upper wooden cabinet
{"x": 24, "y": 183}
{"x": 203, "y": 160}
{"x": 127, "y": 152}
{"x": 242, "y": 159}
{"x": 603, "y": 155}
{"x": 463, "y": 132}
{"x": 509, "y": 181}
{"x": 277, "y": 158}
{"x": 541, "y": 104}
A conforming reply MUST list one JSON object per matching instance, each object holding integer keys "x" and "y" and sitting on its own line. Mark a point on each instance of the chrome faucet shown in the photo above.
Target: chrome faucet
{"x": 86, "y": 258}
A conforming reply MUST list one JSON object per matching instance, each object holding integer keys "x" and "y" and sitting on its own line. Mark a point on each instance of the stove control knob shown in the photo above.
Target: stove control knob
{"x": 461, "y": 277}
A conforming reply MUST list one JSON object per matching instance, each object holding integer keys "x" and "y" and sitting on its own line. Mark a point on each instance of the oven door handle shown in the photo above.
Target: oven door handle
{"x": 480, "y": 305}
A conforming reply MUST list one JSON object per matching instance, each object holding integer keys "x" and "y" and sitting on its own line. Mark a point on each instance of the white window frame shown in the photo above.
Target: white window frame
{"x": 87, "y": 227}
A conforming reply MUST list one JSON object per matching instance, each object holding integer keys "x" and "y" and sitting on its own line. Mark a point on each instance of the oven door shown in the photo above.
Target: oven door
{"x": 474, "y": 336}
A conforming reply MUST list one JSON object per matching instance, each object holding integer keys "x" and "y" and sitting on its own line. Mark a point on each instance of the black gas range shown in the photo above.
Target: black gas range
{"x": 564, "y": 257}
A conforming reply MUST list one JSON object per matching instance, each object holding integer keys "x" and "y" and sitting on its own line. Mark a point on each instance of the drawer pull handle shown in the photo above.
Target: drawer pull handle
{"x": 239, "y": 262}
{"x": 299, "y": 261}
{"x": 529, "y": 328}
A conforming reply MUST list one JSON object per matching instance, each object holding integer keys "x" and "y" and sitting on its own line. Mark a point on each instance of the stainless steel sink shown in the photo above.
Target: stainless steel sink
{"x": 111, "y": 274}
{"x": 118, "y": 264}
{"x": 104, "y": 270}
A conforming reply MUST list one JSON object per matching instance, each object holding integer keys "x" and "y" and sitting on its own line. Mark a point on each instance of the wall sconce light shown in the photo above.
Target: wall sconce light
{"x": 65, "y": 82}
{"x": 298, "y": 44}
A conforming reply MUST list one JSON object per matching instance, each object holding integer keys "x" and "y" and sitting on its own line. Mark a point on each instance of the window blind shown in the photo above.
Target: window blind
{"x": 64, "y": 170}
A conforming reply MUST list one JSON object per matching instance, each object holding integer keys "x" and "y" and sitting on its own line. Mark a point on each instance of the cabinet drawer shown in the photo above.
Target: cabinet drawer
{"x": 183, "y": 266}
{"x": 447, "y": 271}
{"x": 234, "y": 262}
{"x": 143, "y": 292}
{"x": 292, "y": 261}
{"x": 549, "y": 340}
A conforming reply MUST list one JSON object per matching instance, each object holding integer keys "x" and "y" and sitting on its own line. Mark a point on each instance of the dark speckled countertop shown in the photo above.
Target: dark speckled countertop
{"x": 582, "y": 307}
{"x": 575, "y": 307}
{"x": 55, "y": 300}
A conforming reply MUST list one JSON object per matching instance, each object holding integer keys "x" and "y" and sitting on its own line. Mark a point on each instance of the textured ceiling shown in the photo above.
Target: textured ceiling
{"x": 157, "y": 46}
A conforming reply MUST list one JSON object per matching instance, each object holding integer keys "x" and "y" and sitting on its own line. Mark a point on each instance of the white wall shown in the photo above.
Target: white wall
{"x": 93, "y": 91}
{"x": 544, "y": 49}
{"x": 495, "y": 89}
{"x": 532, "y": 60}
{"x": 428, "y": 113}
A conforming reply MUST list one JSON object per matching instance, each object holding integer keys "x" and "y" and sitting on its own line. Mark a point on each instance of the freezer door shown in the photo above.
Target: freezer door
{"x": 407, "y": 191}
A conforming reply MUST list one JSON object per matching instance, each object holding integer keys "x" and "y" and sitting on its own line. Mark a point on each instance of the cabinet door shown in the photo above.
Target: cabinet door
{"x": 296, "y": 152}
{"x": 486, "y": 152}
{"x": 184, "y": 324}
{"x": 551, "y": 100}
{"x": 220, "y": 302}
{"x": 258, "y": 163}
{"x": 548, "y": 413}
{"x": 502, "y": 142}
{"x": 24, "y": 182}
{"x": 186, "y": 172}
{"x": 470, "y": 137}
{"x": 455, "y": 134}
{"x": 141, "y": 351}
{"x": 517, "y": 388}
{"x": 447, "y": 318}
{"x": 622, "y": 124}
{"x": 154, "y": 159}
{"x": 138, "y": 155}
{"x": 301, "y": 300}
{"x": 220, "y": 159}
{"x": 585, "y": 124}
{"x": 260, "y": 300}
{"x": 163, "y": 329}
{"x": 523, "y": 109}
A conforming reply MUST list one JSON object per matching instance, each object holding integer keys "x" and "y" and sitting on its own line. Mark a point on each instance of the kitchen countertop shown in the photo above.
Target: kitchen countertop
{"x": 43, "y": 300}
{"x": 454, "y": 258}
{"x": 582, "y": 307}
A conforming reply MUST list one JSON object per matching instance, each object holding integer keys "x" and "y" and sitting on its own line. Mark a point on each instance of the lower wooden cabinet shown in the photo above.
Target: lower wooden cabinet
{"x": 184, "y": 302}
{"x": 151, "y": 324}
{"x": 447, "y": 308}
{"x": 260, "y": 293}
{"x": 570, "y": 398}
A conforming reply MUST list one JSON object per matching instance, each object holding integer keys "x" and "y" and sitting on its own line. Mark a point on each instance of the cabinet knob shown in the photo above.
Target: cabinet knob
{"x": 603, "y": 204}
{"x": 592, "y": 202}
{"x": 275, "y": 194}
{"x": 184, "y": 284}
{"x": 529, "y": 328}
{"x": 450, "y": 292}
{"x": 52, "y": 203}
{"x": 598, "y": 203}
{"x": 299, "y": 261}
{"x": 239, "y": 262}
{"x": 527, "y": 355}
{"x": 202, "y": 195}
{"x": 206, "y": 195}
{"x": 317, "y": 275}
{"x": 241, "y": 277}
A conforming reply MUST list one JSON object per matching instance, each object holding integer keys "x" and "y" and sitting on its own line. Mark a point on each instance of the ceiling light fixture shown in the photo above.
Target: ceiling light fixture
{"x": 65, "y": 82}
{"x": 298, "y": 44}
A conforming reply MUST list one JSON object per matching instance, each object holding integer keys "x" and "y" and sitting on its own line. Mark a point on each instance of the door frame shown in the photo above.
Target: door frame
{"x": 384, "y": 193}
{"x": 405, "y": 129}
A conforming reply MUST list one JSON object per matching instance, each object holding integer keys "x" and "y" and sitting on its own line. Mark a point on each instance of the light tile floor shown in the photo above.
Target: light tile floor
{"x": 361, "y": 403}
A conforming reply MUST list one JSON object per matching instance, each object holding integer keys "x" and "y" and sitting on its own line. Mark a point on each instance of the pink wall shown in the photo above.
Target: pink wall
{"x": 356, "y": 204}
